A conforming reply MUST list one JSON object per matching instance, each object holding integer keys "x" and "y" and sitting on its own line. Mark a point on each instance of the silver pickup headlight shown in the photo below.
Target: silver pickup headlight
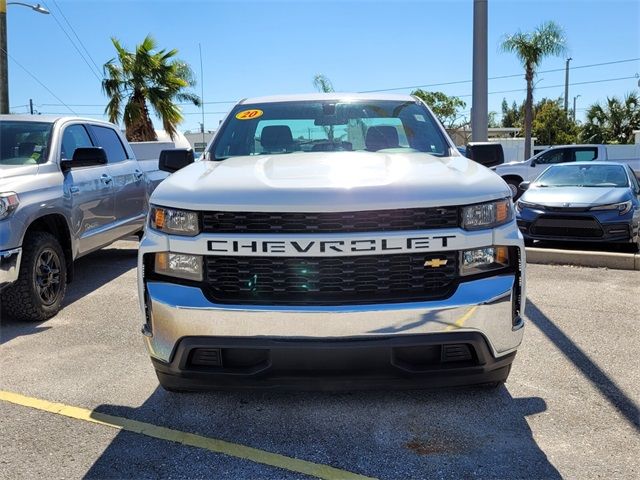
{"x": 9, "y": 201}
{"x": 174, "y": 221}
{"x": 622, "y": 207}
{"x": 487, "y": 215}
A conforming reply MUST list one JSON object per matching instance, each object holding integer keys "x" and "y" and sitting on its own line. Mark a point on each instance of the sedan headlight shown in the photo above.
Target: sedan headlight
{"x": 9, "y": 201}
{"x": 487, "y": 215}
{"x": 175, "y": 222}
{"x": 622, "y": 207}
{"x": 179, "y": 265}
{"x": 520, "y": 205}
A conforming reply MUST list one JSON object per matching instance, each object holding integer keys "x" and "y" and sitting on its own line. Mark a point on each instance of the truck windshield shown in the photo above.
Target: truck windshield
{"x": 24, "y": 143}
{"x": 583, "y": 176}
{"x": 328, "y": 126}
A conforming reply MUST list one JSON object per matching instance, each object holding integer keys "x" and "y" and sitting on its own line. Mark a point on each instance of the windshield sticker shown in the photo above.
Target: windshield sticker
{"x": 419, "y": 118}
{"x": 249, "y": 114}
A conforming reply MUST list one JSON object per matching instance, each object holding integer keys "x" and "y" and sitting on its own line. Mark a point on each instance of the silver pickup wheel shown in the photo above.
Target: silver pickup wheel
{"x": 37, "y": 294}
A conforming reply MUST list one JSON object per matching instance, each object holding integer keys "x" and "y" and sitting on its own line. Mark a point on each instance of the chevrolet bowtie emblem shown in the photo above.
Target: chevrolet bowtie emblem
{"x": 435, "y": 263}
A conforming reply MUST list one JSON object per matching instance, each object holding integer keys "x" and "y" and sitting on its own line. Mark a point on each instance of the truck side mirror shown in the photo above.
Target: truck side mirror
{"x": 486, "y": 153}
{"x": 175, "y": 159}
{"x": 85, "y": 157}
{"x": 524, "y": 186}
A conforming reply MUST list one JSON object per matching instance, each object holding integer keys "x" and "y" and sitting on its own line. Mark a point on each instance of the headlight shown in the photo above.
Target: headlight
{"x": 179, "y": 265}
{"x": 486, "y": 215}
{"x": 8, "y": 203}
{"x": 482, "y": 260}
{"x": 622, "y": 207}
{"x": 520, "y": 205}
{"x": 176, "y": 222}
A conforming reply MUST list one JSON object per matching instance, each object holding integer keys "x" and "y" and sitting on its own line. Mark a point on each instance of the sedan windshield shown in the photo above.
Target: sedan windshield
{"x": 329, "y": 126}
{"x": 583, "y": 175}
{"x": 24, "y": 143}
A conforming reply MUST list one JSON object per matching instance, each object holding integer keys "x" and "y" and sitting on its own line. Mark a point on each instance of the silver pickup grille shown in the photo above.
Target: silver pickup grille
{"x": 331, "y": 280}
{"x": 330, "y": 222}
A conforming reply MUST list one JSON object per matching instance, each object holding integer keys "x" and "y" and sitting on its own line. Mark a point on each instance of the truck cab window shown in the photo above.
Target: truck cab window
{"x": 555, "y": 156}
{"x": 585, "y": 154}
{"x": 109, "y": 140}
{"x": 75, "y": 136}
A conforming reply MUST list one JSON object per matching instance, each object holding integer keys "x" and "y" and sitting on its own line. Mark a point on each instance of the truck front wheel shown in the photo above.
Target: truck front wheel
{"x": 514, "y": 185}
{"x": 42, "y": 282}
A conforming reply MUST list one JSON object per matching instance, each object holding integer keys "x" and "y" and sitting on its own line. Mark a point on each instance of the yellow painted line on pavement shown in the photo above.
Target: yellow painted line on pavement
{"x": 212, "y": 444}
{"x": 460, "y": 322}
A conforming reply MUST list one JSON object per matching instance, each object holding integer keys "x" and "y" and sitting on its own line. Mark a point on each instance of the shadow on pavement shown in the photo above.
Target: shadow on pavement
{"x": 90, "y": 273}
{"x": 458, "y": 433}
{"x": 589, "y": 369}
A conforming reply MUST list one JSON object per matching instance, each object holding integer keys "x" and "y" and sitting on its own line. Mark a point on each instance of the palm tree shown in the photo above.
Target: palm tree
{"x": 146, "y": 75}
{"x": 322, "y": 83}
{"x": 530, "y": 48}
{"x": 614, "y": 122}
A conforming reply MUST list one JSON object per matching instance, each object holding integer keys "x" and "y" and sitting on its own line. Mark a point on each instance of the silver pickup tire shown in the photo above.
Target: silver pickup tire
{"x": 42, "y": 282}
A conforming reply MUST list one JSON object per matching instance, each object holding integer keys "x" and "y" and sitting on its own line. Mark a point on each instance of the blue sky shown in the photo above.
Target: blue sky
{"x": 271, "y": 47}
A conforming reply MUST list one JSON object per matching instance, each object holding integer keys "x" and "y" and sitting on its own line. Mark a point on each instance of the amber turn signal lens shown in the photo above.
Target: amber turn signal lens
{"x": 502, "y": 211}
{"x": 159, "y": 218}
{"x": 502, "y": 255}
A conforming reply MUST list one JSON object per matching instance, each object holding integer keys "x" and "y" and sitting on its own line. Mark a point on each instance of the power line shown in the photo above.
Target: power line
{"x": 73, "y": 30}
{"x": 38, "y": 81}
{"x": 559, "y": 85}
{"x": 55, "y": 17}
{"x": 501, "y": 76}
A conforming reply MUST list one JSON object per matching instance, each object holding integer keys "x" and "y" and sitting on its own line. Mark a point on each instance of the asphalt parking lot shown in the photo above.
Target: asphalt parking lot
{"x": 570, "y": 407}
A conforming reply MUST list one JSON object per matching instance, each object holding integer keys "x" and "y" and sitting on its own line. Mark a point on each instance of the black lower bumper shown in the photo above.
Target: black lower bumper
{"x": 608, "y": 233}
{"x": 413, "y": 361}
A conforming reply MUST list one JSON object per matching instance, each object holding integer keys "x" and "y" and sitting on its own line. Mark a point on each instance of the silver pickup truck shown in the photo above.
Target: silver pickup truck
{"x": 68, "y": 187}
{"x": 333, "y": 240}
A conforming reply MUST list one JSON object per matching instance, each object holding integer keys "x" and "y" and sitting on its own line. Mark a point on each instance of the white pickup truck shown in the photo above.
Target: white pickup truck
{"x": 515, "y": 173}
{"x": 330, "y": 241}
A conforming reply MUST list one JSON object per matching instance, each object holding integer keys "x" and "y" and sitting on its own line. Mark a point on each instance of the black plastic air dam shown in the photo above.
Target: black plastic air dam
{"x": 402, "y": 362}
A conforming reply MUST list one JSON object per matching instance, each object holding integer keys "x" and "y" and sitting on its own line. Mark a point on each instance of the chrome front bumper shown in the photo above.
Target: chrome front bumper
{"x": 9, "y": 266}
{"x": 485, "y": 306}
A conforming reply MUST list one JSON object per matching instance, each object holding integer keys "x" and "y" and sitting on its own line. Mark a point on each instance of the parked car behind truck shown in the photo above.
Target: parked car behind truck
{"x": 332, "y": 240}
{"x": 68, "y": 186}
{"x": 583, "y": 201}
{"x": 515, "y": 173}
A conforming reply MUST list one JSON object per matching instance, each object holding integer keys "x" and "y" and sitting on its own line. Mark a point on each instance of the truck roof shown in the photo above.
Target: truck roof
{"x": 337, "y": 96}
{"x": 49, "y": 118}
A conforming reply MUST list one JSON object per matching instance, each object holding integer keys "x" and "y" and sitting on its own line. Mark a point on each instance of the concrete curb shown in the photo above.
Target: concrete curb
{"x": 615, "y": 261}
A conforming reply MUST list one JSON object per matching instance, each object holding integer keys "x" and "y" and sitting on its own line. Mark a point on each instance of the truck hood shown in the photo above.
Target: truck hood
{"x": 329, "y": 181}
{"x": 575, "y": 196}
{"x": 11, "y": 176}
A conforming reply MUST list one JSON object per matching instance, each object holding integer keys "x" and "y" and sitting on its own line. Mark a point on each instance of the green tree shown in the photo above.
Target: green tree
{"x": 530, "y": 48}
{"x": 322, "y": 83}
{"x": 551, "y": 125}
{"x": 613, "y": 122}
{"x": 444, "y": 107}
{"x": 513, "y": 115}
{"x": 146, "y": 75}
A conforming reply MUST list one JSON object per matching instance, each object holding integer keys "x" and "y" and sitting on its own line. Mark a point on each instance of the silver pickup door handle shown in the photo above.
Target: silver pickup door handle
{"x": 107, "y": 179}
{"x": 74, "y": 190}
{"x": 138, "y": 174}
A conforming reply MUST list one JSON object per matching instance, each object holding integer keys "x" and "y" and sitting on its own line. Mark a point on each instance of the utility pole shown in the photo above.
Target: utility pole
{"x": 479, "y": 102}
{"x": 574, "y": 107}
{"x": 202, "y": 99}
{"x": 4, "y": 71}
{"x": 31, "y": 106}
{"x": 566, "y": 86}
